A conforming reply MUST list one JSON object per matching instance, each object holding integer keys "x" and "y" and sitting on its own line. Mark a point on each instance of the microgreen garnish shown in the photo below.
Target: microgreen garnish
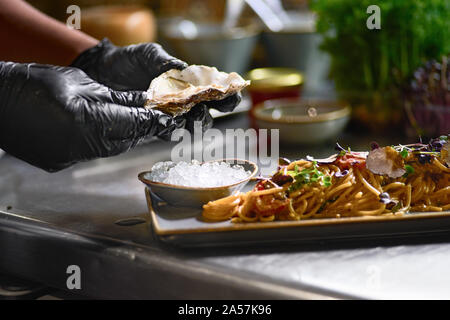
{"x": 409, "y": 170}
{"x": 386, "y": 199}
{"x": 423, "y": 152}
{"x": 341, "y": 150}
{"x": 404, "y": 153}
{"x": 327, "y": 181}
{"x": 374, "y": 145}
{"x": 437, "y": 144}
{"x": 341, "y": 174}
{"x": 397, "y": 207}
{"x": 307, "y": 176}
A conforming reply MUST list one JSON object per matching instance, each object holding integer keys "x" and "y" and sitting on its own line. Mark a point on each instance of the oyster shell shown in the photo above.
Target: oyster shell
{"x": 176, "y": 91}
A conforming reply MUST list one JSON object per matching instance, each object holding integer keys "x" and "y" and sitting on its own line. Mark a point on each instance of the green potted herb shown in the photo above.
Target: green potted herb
{"x": 369, "y": 67}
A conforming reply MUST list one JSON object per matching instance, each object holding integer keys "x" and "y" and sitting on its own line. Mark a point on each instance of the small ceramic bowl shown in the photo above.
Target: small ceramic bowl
{"x": 210, "y": 44}
{"x": 195, "y": 196}
{"x": 302, "y": 121}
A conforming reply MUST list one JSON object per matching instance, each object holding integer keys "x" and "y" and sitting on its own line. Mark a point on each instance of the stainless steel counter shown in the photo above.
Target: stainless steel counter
{"x": 50, "y": 221}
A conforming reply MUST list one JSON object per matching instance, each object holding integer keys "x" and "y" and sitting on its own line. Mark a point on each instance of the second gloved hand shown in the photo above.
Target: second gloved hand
{"x": 126, "y": 68}
{"x": 134, "y": 67}
{"x": 53, "y": 117}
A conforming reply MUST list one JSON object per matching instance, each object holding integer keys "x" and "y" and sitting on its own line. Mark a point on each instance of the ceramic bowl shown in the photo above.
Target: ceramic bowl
{"x": 210, "y": 44}
{"x": 302, "y": 121}
{"x": 195, "y": 196}
{"x": 297, "y": 45}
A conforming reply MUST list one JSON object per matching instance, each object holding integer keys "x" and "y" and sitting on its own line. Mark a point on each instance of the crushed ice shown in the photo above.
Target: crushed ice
{"x": 197, "y": 174}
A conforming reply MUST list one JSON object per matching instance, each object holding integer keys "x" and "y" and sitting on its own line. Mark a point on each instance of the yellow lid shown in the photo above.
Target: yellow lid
{"x": 274, "y": 78}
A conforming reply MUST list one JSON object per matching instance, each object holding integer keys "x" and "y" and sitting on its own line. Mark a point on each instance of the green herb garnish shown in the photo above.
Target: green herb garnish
{"x": 397, "y": 207}
{"x": 327, "y": 181}
{"x": 409, "y": 170}
{"x": 404, "y": 153}
{"x": 308, "y": 176}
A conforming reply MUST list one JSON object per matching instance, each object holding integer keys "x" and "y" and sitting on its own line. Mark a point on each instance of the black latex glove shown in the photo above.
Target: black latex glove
{"x": 200, "y": 112}
{"x": 53, "y": 117}
{"x": 225, "y": 105}
{"x": 126, "y": 68}
{"x": 134, "y": 67}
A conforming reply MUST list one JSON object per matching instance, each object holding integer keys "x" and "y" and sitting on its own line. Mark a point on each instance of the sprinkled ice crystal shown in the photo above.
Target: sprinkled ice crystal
{"x": 196, "y": 174}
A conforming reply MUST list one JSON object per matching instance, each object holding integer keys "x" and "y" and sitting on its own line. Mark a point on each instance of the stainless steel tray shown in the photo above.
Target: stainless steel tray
{"x": 184, "y": 227}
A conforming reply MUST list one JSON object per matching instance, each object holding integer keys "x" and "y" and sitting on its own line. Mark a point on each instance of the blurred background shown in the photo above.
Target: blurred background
{"x": 395, "y": 79}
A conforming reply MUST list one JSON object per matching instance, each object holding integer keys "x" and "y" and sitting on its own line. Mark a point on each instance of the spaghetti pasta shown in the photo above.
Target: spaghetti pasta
{"x": 345, "y": 187}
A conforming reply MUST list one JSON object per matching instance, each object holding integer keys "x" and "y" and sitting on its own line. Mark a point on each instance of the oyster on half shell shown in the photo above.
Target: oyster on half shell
{"x": 176, "y": 91}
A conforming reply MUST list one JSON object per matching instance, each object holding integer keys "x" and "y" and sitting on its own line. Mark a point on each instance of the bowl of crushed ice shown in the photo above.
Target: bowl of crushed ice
{"x": 192, "y": 184}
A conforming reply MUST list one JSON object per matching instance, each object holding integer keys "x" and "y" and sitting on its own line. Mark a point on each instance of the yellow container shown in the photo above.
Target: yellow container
{"x": 274, "y": 83}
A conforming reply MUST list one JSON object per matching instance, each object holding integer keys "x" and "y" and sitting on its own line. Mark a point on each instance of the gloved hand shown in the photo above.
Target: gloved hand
{"x": 53, "y": 117}
{"x": 199, "y": 112}
{"x": 134, "y": 67}
{"x": 126, "y": 68}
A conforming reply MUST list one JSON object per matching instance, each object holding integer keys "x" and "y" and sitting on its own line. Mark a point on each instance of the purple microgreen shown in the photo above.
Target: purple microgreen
{"x": 341, "y": 174}
{"x": 283, "y": 161}
{"x": 374, "y": 145}
{"x": 424, "y": 158}
{"x": 385, "y": 198}
{"x": 338, "y": 147}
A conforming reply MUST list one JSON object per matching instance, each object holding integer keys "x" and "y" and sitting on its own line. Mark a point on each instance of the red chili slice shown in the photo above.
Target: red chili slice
{"x": 349, "y": 160}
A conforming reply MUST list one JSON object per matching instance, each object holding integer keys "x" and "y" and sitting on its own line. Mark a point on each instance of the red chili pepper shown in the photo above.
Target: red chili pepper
{"x": 259, "y": 186}
{"x": 349, "y": 160}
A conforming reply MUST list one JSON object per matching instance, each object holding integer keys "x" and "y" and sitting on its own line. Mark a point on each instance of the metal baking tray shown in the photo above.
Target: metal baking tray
{"x": 182, "y": 226}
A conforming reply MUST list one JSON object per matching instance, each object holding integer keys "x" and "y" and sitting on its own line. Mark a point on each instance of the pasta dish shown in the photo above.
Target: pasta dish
{"x": 385, "y": 181}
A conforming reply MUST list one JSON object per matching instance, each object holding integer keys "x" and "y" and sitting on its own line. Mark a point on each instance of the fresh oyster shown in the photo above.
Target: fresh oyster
{"x": 176, "y": 91}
